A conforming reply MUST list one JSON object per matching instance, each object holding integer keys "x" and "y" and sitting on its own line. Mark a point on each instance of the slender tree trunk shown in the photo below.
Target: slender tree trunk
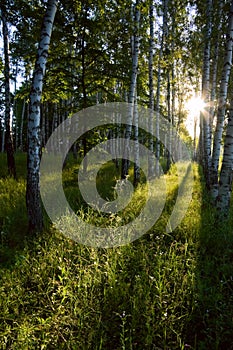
{"x": 84, "y": 91}
{"x": 1, "y": 135}
{"x": 151, "y": 165}
{"x": 173, "y": 107}
{"x": 47, "y": 131}
{"x": 8, "y": 129}
{"x": 195, "y": 140}
{"x": 222, "y": 106}
{"x": 21, "y": 126}
{"x": 55, "y": 122}
{"x": 213, "y": 92}
{"x": 157, "y": 109}
{"x": 1, "y": 128}
{"x": 34, "y": 209}
{"x": 205, "y": 116}
{"x": 173, "y": 86}
{"x": 167, "y": 50}
{"x": 43, "y": 117}
{"x": 169, "y": 143}
{"x": 132, "y": 93}
{"x": 136, "y": 146}
{"x": 3, "y": 139}
{"x": 117, "y": 135}
{"x": 157, "y": 105}
{"x": 215, "y": 65}
{"x": 15, "y": 109}
{"x": 225, "y": 182}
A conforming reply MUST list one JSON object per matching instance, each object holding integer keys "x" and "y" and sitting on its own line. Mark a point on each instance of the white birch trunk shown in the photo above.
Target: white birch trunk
{"x": 133, "y": 83}
{"x": 157, "y": 123}
{"x": 173, "y": 107}
{"x": 169, "y": 142}
{"x": 34, "y": 138}
{"x": 205, "y": 117}
{"x": 225, "y": 182}
{"x": 222, "y": 106}
{"x": 215, "y": 66}
{"x": 2, "y": 136}
{"x": 21, "y": 126}
{"x": 157, "y": 106}
{"x": 8, "y": 127}
{"x": 151, "y": 165}
{"x": 136, "y": 146}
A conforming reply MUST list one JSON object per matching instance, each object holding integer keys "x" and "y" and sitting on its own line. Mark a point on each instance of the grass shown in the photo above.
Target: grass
{"x": 163, "y": 291}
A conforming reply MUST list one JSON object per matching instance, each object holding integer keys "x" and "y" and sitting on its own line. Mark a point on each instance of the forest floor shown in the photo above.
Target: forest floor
{"x": 163, "y": 291}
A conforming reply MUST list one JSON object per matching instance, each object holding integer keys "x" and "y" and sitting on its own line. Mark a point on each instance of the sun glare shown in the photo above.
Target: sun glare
{"x": 193, "y": 106}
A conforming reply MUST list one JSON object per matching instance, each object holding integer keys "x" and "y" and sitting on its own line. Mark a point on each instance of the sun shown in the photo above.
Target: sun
{"x": 193, "y": 107}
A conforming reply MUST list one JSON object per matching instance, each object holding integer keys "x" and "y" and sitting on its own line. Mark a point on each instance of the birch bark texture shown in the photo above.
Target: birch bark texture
{"x": 132, "y": 92}
{"x": 158, "y": 88}
{"x": 226, "y": 71}
{"x": 225, "y": 182}
{"x": 151, "y": 165}
{"x": 215, "y": 64}
{"x": 205, "y": 116}
{"x": 34, "y": 210}
{"x": 8, "y": 129}
{"x": 136, "y": 145}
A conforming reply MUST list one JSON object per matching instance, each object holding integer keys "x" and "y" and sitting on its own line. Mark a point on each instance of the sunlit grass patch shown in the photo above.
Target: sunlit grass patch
{"x": 163, "y": 291}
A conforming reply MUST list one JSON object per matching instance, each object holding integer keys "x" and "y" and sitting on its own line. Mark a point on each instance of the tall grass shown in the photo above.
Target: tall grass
{"x": 163, "y": 291}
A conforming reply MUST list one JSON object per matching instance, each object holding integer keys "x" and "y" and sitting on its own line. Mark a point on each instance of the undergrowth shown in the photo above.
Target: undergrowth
{"x": 163, "y": 291}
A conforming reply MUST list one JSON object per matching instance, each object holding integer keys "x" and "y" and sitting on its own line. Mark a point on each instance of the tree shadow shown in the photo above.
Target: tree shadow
{"x": 151, "y": 294}
{"x": 211, "y": 323}
{"x": 13, "y": 230}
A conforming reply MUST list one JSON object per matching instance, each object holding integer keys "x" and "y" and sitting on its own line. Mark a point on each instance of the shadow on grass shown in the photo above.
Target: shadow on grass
{"x": 20, "y": 163}
{"x": 131, "y": 297}
{"x": 163, "y": 291}
{"x": 13, "y": 213}
{"x": 13, "y": 219}
{"x": 211, "y": 325}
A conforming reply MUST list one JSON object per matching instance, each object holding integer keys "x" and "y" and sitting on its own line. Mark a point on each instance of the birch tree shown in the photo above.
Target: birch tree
{"x": 205, "y": 120}
{"x": 225, "y": 182}
{"x": 136, "y": 145}
{"x": 2, "y": 136}
{"x": 226, "y": 70}
{"x": 8, "y": 130}
{"x": 151, "y": 165}
{"x": 132, "y": 92}
{"x": 34, "y": 138}
{"x": 213, "y": 94}
{"x": 21, "y": 126}
{"x": 157, "y": 103}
